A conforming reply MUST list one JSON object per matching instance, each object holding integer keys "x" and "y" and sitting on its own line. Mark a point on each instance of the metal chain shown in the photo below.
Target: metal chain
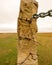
{"x": 36, "y": 16}
{"x": 42, "y": 15}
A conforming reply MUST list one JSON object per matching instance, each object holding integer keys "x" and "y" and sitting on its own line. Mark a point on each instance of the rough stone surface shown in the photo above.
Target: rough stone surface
{"x": 27, "y": 51}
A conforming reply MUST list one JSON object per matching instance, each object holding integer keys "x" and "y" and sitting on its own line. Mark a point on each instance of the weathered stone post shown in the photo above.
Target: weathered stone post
{"x": 27, "y": 51}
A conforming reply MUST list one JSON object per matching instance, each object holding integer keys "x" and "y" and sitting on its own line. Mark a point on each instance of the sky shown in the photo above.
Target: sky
{"x": 9, "y": 11}
{"x": 45, "y": 24}
{"x": 8, "y": 15}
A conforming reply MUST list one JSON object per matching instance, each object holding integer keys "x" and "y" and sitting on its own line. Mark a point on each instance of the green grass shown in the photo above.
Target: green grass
{"x": 8, "y": 49}
{"x": 45, "y": 49}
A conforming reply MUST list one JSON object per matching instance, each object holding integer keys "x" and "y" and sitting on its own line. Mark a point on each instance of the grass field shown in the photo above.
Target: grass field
{"x": 8, "y": 49}
{"x": 45, "y": 48}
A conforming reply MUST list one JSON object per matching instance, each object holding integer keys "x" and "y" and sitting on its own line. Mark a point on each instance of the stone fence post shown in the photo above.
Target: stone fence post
{"x": 27, "y": 49}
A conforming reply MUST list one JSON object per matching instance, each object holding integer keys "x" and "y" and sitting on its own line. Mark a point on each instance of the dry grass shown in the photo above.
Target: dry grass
{"x": 8, "y": 49}
{"x": 5, "y": 35}
{"x": 45, "y": 48}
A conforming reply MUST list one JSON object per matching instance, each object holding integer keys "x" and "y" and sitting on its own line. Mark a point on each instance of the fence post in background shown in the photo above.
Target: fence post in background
{"x": 27, "y": 49}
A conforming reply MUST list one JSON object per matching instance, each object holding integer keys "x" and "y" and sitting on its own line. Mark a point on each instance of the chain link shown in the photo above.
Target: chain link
{"x": 42, "y": 15}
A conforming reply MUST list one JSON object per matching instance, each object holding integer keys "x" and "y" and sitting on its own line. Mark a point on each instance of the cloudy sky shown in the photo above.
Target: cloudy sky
{"x": 44, "y": 25}
{"x": 8, "y": 15}
{"x": 9, "y": 11}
